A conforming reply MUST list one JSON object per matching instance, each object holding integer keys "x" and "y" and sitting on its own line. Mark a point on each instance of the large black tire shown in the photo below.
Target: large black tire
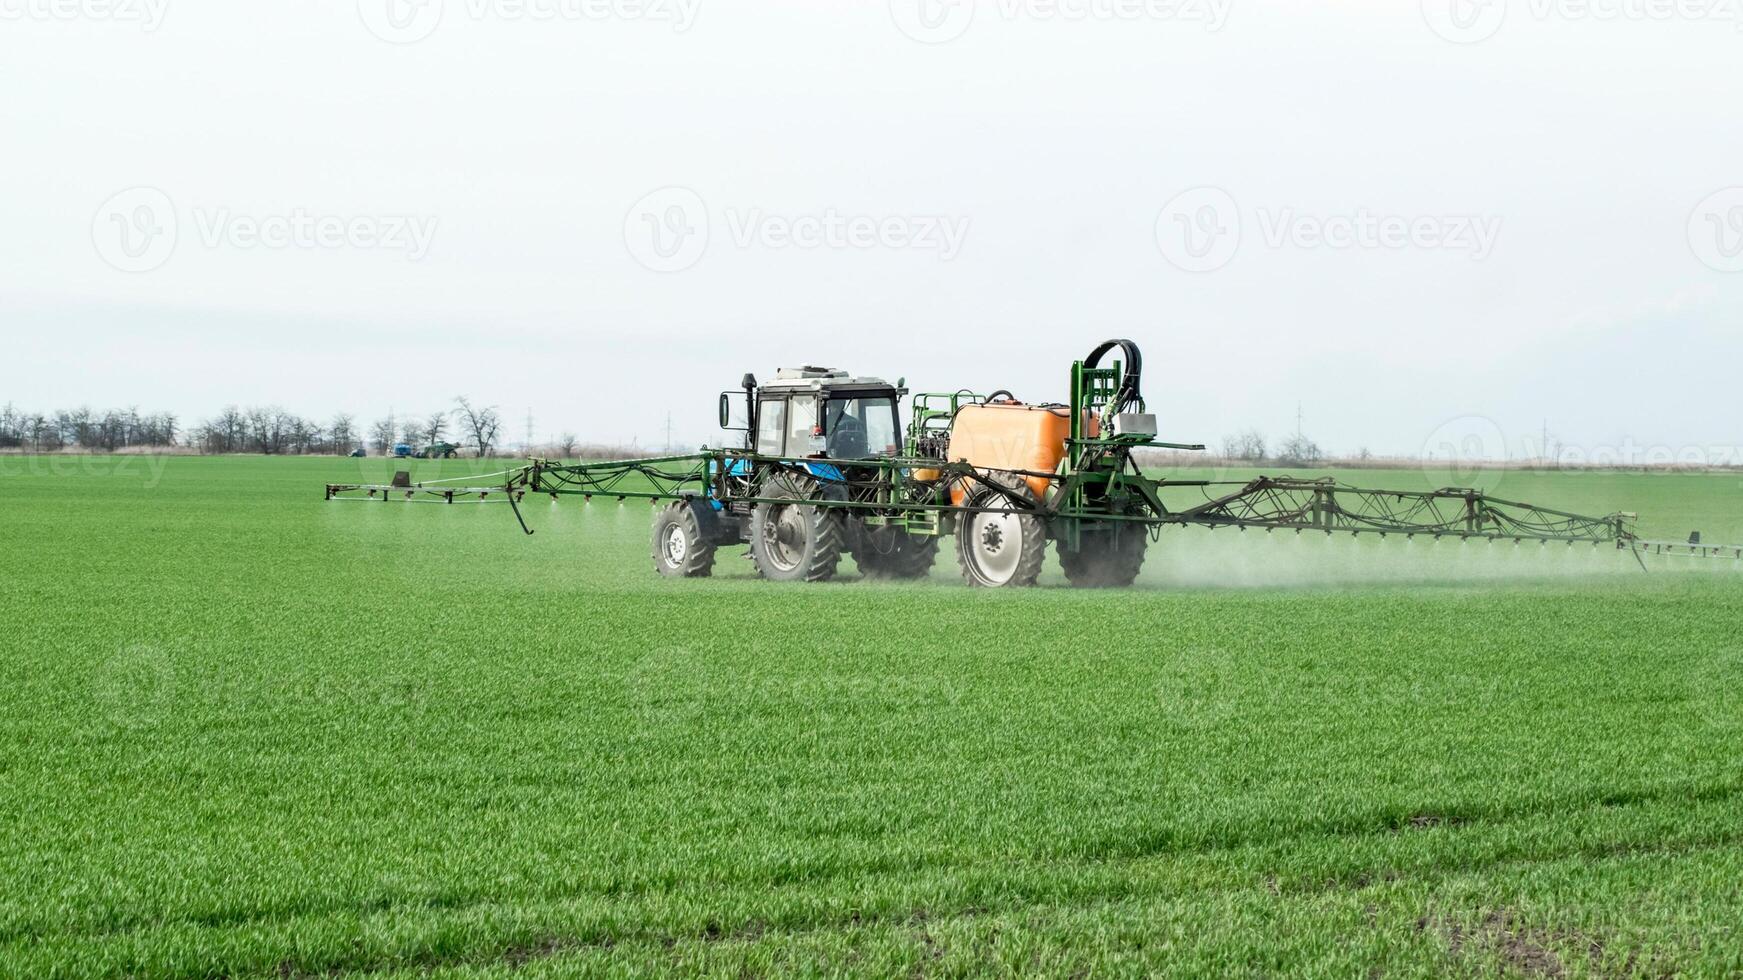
{"x": 681, "y": 548}
{"x": 1106, "y": 559}
{"x": 796, "y": 542}
{"x": 1000, "y": 550}
{"x": 892, "y": 553}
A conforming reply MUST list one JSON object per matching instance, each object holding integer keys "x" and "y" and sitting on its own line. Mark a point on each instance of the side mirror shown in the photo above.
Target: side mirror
{"x": 726, "y": 420}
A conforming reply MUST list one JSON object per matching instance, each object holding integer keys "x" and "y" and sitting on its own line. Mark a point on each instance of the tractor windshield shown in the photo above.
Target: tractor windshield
{"x": 859, "y": 428}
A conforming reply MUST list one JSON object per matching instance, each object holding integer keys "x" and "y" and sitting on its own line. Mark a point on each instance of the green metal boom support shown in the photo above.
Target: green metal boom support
{"x": 1097, "y": 490}
{"x": 884, "y": 490}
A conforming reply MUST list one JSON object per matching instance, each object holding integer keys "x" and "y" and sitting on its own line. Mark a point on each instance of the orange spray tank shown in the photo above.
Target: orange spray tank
{"x": 1011, "y": 436}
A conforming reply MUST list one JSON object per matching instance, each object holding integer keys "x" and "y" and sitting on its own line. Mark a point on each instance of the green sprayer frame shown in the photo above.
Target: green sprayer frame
{"x": 1098, "y": 487}
{"x": 883, "y": 492}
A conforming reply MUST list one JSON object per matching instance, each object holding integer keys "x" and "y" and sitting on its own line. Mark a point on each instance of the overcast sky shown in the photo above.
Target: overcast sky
{"x": 1401, "y": 217}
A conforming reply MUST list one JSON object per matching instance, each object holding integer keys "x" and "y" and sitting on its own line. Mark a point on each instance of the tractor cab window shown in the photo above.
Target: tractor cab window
{"x": 801, "y": 428}
{"x": 771, "y": 424}
{"x": 860, "y": 428}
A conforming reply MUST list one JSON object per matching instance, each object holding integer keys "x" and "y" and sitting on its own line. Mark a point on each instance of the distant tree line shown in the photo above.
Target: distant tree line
{"x": 269, "y": 430}
{"x": 84, "y": 428}
{"x": 1250, "y": 446}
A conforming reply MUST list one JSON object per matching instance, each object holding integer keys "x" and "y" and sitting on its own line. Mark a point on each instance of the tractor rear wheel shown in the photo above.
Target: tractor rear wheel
{"x": 892, "y": 553}
{"x": 1106, "y": 559}
{"x": 797, "y": 541}
{"x": 680, "y": 548}
{"x": 1005, "y": 546}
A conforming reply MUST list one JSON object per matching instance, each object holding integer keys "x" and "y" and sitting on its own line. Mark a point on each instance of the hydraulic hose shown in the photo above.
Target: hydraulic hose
{"x": 1128, "y": 396}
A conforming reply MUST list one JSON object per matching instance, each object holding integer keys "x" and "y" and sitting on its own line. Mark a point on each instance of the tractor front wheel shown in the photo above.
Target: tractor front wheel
{"x": 792, "y": 540}
{"x": 1005, "y": 544}
{"x": 680, "y": 548}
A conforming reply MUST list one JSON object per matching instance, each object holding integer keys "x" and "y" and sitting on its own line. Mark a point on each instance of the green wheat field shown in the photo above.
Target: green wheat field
{"x": 246, "y": 732}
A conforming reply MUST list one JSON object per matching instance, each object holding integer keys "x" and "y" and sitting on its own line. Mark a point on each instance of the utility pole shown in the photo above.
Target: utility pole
{"x": 529, "y": 429}
{"x": 668, "y": 433}
{"x": 1297, "y": 420}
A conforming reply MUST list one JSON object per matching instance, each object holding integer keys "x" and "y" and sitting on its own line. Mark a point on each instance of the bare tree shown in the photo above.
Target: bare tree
{"x": 483, "y": 423}
{"x": 1247, "y": 445}
{"x": 434, "y": 426}
{"x": 342, "y": 433}
{"x": 1298, "y": 450}
{"x": 566, "y": 444}
{"x": 381, "y": 434}
{"x": 262, "y": 429}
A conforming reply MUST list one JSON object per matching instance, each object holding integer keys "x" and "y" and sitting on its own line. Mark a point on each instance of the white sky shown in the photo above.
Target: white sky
{"x": 1052, "y": 144}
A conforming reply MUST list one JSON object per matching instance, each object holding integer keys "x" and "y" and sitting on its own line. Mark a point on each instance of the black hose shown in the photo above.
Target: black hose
{"x": 1128, "y": 395}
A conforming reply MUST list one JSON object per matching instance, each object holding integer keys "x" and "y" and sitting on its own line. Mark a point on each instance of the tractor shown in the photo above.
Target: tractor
{"x": 844, "y": 436}
{"x": 826, "y": 467}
